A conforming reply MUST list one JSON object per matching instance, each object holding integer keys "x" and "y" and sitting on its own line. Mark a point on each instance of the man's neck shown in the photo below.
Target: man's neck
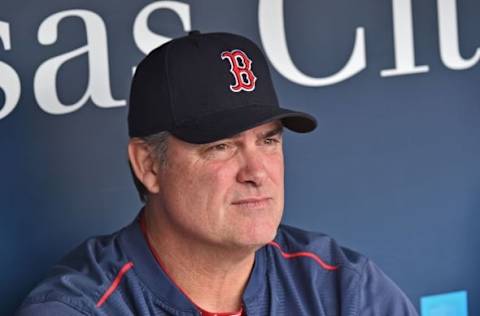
{"x": 211, "y": 277}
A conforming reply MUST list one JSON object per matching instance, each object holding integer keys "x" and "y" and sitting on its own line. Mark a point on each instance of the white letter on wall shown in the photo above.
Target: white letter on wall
{"x": 403, "y": 37}
{"x": 272, "y": 33}
{"x": 448, "y": 36}
{"x": 98, "y": 82}
{"x": 145, "y": 39}
{"x": 9, "y": 80}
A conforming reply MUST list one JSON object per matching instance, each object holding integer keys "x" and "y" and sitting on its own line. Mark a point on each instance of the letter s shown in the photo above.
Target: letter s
{"x": 9, "y": 80}
{"x": 145, "y": 39}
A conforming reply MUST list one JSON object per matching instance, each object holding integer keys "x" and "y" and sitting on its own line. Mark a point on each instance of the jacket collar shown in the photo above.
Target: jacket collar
{"x": 151, "y": 274}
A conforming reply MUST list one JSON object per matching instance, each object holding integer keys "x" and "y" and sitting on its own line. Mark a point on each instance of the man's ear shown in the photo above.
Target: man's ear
{"x": 143, "y": 164}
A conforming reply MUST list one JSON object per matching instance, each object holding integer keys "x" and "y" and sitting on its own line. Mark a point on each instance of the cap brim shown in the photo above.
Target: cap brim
{"x": 224, "y": 124}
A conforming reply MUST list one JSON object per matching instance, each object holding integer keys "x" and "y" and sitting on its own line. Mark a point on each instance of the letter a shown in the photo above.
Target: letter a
{"x": 98, "y": 88}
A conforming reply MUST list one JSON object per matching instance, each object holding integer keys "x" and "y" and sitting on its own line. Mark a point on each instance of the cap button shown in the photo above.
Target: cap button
{"x": 194, "y": 32}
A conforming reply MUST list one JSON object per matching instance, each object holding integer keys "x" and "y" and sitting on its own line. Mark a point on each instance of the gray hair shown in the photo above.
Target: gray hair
{"x": 158, "y": 144}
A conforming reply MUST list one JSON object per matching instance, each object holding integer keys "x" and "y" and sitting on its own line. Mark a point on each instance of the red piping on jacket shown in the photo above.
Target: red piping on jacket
{"x": 290, "y": 255}
{"x": 143, "y": 227}
{"x": 127, "y": 266}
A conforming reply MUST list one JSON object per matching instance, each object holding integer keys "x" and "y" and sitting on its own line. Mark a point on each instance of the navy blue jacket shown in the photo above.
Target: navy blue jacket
{"x": 299, "y": 273}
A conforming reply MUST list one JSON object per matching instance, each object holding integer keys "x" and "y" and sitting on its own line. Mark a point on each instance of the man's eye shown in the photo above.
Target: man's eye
{"x": 271, "y": 141}
{"x": 219, "y": 147}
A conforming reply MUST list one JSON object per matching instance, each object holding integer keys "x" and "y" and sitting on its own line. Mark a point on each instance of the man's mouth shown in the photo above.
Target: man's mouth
{"x": 252, "y": 203}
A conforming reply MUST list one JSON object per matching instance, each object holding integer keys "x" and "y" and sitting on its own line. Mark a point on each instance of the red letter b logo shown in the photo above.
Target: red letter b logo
{"x": 241, "y": 68}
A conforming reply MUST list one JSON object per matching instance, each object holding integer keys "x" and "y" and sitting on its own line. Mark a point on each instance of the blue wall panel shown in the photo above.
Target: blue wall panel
{"x": 392, "y": 171}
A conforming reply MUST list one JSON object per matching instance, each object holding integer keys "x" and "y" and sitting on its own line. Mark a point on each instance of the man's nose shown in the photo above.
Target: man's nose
{"x": 252, "y": 168}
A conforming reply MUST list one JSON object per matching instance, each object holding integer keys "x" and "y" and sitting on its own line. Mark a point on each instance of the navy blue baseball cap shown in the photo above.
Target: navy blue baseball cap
{"x": 205, "y": 87}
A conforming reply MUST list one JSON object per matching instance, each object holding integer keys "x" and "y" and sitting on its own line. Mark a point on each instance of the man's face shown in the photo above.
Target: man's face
{"x": 228, "y": 193}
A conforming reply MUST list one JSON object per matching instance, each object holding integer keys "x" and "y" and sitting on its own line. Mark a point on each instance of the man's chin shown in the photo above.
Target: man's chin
{"x": 256, "y": 239}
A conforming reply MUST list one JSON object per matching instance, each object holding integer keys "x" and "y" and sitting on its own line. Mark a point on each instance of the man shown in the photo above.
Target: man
{"x": 206, "y": 154}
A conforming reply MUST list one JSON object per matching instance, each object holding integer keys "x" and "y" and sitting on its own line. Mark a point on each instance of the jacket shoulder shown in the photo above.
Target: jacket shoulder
{"x": 351, "y": 284}
{"x": 319, "y": 247}
{"x": 48, "y": 309}
{"x": 75, "y": 284}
